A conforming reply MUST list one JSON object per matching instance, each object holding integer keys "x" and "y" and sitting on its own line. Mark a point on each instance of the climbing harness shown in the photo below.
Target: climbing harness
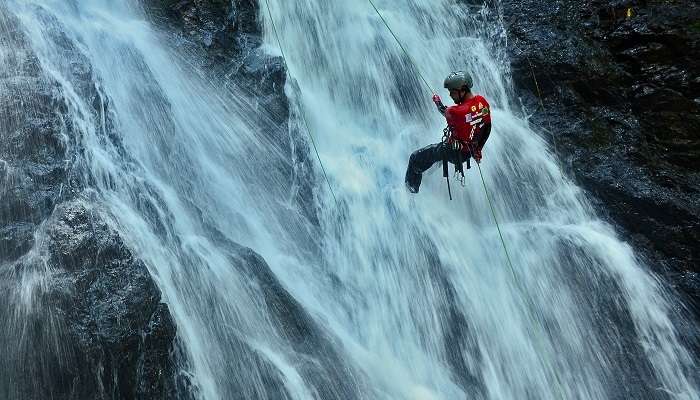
{"x": 301, "y": 106}
{"x": 533, "y": 323}
{"x": 459, "y": 169}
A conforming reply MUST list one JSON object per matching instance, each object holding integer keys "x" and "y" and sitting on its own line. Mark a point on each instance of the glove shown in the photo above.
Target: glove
{"x": 477, "y": 155}
{"x": 438, "y": 102}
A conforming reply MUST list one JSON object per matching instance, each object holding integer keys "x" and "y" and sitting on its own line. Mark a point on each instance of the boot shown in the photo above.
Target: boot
{"x": 413, "y": 181}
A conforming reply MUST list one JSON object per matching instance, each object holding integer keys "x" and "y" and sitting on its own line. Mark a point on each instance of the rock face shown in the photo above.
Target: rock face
{"x": 94, "y": 327}
{"x": 319, "y": 364}
{"x": 620, "y": 81}
{"x": 81, "y": 317}
{"x": 226, "y": 38}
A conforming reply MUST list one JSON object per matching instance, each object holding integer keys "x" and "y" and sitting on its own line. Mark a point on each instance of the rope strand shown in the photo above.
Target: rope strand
{"x": 533, "y": 323}
{"x": 301, "y": 105}
{"x": 402, "y": 48}
{"x": 551, "y": 132}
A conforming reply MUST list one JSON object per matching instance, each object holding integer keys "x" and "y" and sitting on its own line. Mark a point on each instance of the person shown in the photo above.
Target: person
{"x": 468, "y": 128}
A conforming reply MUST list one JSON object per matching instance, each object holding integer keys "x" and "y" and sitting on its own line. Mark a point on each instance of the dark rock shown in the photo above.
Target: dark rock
{"x": 15, "y": 240}
{"x": 320, "y": 365}
{"x": 93, "y": 327}
{"x": 32, "y": 151}
{"x": 81, "y": 317}
{"x": 227, "y": 35}
{"x": 625, "y": 74}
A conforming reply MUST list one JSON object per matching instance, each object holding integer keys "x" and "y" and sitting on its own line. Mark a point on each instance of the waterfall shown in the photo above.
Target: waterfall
{"x": 384, "y": 294}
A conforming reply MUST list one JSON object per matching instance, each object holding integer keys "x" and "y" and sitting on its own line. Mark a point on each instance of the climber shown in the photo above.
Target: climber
{"x": 468, "y": 128}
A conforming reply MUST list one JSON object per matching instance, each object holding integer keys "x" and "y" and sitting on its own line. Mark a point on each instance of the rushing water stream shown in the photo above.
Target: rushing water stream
{"x": 410, "y": 296}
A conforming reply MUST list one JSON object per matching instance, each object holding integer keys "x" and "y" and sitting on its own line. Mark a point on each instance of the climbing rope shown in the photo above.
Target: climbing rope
{"x": 301, "y": 105}
{"x": 533, "y": 322}
{"x": 483, "y": 181}
{"x": 549, "y": 123}
{"x": 488, "y": 197}
{"x": 402, "y": 48}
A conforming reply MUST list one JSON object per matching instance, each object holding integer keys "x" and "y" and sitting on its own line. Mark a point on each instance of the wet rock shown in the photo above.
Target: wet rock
{"x": 624, "y": 75}
{"x": 225, "y": 38}
{"x": 228, "y": 36}
{"x": 80, "y": 317}
{"x": 94, "y": 328}
{"x": 318, "y": 362}
{"x": 119, "y": 327}
{"x": 32, "y": 147}
{"x": 15, "y": 240}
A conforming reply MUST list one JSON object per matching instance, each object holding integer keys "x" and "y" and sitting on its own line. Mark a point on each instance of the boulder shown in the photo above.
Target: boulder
{"x": 86, "y": 320}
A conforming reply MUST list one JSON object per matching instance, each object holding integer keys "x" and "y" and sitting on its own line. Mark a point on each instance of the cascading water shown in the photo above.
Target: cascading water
{"x": 392, "y": 296}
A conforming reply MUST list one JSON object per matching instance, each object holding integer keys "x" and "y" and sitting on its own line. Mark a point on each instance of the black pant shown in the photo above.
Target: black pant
{"x": 421, "y": 160}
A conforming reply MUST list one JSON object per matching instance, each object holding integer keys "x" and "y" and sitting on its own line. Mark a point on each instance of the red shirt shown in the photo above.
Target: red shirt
{"x": 467, "y": 118}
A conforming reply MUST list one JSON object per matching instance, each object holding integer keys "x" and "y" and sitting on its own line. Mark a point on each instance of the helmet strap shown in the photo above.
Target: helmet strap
{"x": 462, "y": 96}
